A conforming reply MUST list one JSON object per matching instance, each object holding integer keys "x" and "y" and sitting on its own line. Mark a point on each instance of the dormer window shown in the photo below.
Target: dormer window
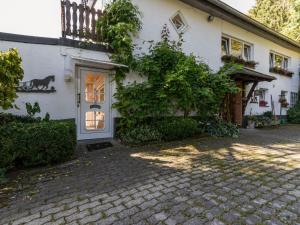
{"x": 179, "y": 22}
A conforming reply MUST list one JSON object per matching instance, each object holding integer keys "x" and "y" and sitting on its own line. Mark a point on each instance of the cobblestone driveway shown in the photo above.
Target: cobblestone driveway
{"x": 251, "y": 180}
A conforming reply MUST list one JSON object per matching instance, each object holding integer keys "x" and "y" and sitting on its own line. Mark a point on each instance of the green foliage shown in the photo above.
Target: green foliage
{"x": 11, "y": 73}
{"x": 32, "y": 109}
{"x": 140, "y": 135}
{"x": 282, "y": 16}
{"x": 120, "y": 20}
{"x": 176, "y": 83}
{"x": 292, "y": 29}
{"x": 47, "y": 117}
{"x": 35, "y": 143}
{"x": 293, "y": 114}
{"x": 268, "y": 114}
{"x": 6, "y": 118}
{"x": 3, "y": 179}
{"x": 177, "y": 128}
{"x": 215, "y": 126}
{"x": 157, "y": 129}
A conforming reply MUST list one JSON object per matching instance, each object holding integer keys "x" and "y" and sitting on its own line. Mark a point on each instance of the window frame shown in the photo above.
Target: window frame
{"x": 294, "y": 98}
{"x": 285, "y": 64}
{"x": 185, "y": 26}
{"x": 244, "y": 43}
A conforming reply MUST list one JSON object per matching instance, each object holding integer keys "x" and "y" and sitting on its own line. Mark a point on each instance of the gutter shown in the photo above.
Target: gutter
{"x": 221, "y": 10}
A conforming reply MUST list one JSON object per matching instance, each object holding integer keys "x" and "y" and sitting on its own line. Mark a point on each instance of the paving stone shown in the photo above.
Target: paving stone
{"x": 250, "y": 180}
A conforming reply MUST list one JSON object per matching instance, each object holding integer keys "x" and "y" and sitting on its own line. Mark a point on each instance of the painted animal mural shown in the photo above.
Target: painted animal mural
{"x": 37, "y": 85}
{"x": 41, "y": 84}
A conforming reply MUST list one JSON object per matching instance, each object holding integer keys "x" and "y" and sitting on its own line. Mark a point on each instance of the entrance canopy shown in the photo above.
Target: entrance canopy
{"x": 240, "y": 100}
{"x": 106, "y": 65}
{"x": 251, "y": 76}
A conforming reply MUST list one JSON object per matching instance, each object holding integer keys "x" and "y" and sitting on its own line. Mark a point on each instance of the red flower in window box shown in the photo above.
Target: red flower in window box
{"x": 263, "y": 103}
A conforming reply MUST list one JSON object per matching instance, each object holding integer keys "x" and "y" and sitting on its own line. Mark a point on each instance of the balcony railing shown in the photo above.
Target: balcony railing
{"x": 79, "y": 21}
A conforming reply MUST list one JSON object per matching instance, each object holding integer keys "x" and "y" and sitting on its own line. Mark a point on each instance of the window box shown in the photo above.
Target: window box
{"x": 237, "y": 51}
{"x": 281, "y": 71}
{"x": 263, "y": 103}
{"x": 233, "y": 59}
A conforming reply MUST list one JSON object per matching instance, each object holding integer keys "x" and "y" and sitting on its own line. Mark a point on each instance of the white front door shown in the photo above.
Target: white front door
{"x": 94, "y": 105}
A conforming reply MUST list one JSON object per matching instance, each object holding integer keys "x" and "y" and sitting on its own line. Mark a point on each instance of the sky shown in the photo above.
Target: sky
{"x": 42, "y": 17}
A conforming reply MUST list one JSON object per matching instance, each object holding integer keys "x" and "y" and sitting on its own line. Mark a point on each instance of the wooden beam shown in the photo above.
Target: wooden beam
{"x": 249, "y": 96}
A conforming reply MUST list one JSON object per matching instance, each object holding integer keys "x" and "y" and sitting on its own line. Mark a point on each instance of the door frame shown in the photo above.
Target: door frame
{"x": 78, "y": 94}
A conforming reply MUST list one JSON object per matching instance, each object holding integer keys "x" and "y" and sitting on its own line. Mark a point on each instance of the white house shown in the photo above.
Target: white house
{"x": 83, "y": 87}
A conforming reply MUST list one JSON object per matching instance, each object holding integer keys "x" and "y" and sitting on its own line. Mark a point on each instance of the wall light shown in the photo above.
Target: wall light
{"x": 210, "y": 18}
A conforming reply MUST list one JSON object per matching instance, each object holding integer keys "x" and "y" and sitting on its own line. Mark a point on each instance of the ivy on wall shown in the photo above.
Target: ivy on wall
{"x": 120, "y": 21}
{"x": 175, "y": 82}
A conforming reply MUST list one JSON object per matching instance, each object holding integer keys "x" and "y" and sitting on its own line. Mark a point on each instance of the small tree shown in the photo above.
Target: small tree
{"x": 11, "y": 73}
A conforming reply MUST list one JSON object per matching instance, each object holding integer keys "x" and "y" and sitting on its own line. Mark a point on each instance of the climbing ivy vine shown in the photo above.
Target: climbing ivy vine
{"x": 11, "y": 73}
{"x": 174, "y": 82}
{"x": 119, "y": 23}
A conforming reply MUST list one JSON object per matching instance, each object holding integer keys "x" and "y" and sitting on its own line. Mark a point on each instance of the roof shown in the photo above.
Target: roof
{"x": 249, "y": 75}
{"x": 222, "y": 10}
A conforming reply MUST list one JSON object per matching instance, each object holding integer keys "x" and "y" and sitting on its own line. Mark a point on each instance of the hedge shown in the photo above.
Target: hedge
{"x": 293, "y": 114}
{"x": 36, "y": 143}
{"x": 6, "y": 118}
{"x": 177, "y": 128}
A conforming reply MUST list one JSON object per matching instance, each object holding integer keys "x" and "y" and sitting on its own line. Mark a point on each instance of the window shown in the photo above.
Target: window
{"x": 279, "y": 61}
{"x": 247, "y": 52}
{"x": 236, "y": 48}
{"x": 179, "y": 22}
{"x": 225, "y": 46}
{"x": 294, "y": 98}
{"x": 94, "y": 120}
{"x": 262, "y": 97}
{"x": 94, "y": 88}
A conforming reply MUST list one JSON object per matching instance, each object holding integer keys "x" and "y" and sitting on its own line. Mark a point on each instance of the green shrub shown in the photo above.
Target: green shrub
{"x": 268, "y": 114}
{"x": 6, "y": 118}
{"x": 293, "y": 114}
{"x": 177, "y": 128}
{"x": 140, "y": 135}
{"x": 219, "y": 128}
{"x": 262, "y": 121}
{"x": 2, "y": 176}
{"x": 35, "y": 144}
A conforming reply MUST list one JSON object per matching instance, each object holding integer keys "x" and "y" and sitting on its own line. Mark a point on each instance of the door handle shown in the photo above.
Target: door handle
{"x": 78, "y": 100}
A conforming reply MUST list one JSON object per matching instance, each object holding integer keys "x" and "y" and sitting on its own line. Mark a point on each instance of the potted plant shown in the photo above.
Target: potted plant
{"x": 251, "y": 122}
{"x": 283, "y": 101}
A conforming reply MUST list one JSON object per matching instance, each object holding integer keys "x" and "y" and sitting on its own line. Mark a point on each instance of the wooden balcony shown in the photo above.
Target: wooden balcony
{"x": 79, "y": 21}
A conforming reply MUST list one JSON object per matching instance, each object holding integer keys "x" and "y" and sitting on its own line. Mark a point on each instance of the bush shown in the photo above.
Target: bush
{"x": 177, "y": 128}
{"x": 37, "y": 143}
{"x": 268, "y": 114}
{"x": 140, "y": 135}
{"x": 293, "y": 114}
{"x": 6, "y": 118}
{"x": 219, "y": 128}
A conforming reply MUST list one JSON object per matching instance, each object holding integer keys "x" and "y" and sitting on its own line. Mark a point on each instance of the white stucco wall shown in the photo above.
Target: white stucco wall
{"x": 40, "y": 61}
{"x": 203, "y": 39}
